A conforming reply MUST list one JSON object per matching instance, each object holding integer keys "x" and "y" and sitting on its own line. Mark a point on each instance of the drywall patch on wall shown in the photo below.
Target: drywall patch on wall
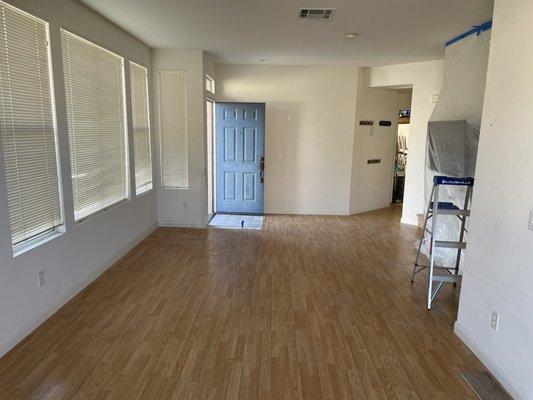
{"x": 310, "y": 115}
{"x": 425, "y": 78}
{"x": 371, "y": 184}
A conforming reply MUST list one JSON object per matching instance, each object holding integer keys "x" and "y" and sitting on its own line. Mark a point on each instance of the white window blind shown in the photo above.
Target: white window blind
{"x": 141, "y": 128}
{"x": 94, "y": 90}
{"x": 173, "y": 128}
{"x": 27, "y": 126}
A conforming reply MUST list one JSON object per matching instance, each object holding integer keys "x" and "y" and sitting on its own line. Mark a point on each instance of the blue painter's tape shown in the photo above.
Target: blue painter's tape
{"x": 475, "y": 30}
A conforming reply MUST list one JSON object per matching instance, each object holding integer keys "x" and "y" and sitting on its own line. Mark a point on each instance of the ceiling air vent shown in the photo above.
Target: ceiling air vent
{"x": 318, "y": 14}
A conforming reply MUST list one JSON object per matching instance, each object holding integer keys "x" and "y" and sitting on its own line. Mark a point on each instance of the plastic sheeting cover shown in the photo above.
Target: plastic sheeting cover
{"x": 453, "y": 131}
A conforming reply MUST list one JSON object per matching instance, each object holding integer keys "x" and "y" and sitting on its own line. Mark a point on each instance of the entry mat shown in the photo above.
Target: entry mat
{"x": 484, "y": 385}
{"x": 236, "y": 221}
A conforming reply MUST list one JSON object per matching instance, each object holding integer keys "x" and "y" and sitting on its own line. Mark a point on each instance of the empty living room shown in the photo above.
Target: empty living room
{"x": 245, "y": 199}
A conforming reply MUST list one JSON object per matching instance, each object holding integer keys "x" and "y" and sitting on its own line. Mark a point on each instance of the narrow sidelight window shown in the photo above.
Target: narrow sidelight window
{"x": 141, "y": 128}
{"x": 173, "y": 129}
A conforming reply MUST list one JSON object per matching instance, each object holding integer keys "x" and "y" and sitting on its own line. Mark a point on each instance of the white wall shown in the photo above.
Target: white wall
{"x": 75, "y": 258}
{"x": 310, "y": 114}
{"x": 404, "y": 99}
{"x": 498, "y": 272}
{"x": 371, "y": 184}
{"x": 426, "y": 79}
{"x": 184, "y": 207}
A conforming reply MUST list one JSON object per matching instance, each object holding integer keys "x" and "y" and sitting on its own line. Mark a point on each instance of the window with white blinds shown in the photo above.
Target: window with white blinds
{"x": 27, "y": 126}
{"x": 94, "y": 90}
{"x": 141, "y": 128}
{"x": 173, "y": 128}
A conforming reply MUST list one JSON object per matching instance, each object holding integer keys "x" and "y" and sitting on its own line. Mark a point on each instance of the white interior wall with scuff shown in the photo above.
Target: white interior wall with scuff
{"x": 316, "y": 151}
{"x": 371, "y": 184}
{"x": 404, "y": 98}
{"x": 498, "y": 267}
{"x": 309, "y": 128}
{"x": 77, "y": 257}
{"x": 425, "y": 79}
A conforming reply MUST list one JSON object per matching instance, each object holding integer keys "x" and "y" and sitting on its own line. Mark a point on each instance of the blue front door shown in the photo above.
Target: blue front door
{"x": 240, "y": 150}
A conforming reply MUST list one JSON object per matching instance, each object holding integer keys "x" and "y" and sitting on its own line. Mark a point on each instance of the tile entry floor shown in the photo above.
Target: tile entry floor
{"x": 232, "y": 221}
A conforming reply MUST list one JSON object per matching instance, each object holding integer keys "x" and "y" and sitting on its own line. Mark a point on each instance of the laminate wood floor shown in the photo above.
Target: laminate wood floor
{"x": 310, "y": 307}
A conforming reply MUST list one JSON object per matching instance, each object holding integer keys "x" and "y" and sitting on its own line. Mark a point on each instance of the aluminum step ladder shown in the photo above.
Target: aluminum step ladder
{"x": 437, "y": 275}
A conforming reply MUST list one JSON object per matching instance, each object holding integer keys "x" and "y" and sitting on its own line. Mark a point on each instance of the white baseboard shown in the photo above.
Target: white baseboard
{"x": 368, "y": 209}
{"x": 29, "y": 327}
{"x": 409, "y": 221}
{"x": 488, "y": 362}
{"x": 304, "y": 211}
{"x": 178, "y": 224}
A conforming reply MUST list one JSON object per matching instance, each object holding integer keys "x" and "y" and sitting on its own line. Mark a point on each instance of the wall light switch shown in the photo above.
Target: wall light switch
{"x": 40, "y": 278}
{"x": 495, "y": 320}
{"x": 530, "y": 224}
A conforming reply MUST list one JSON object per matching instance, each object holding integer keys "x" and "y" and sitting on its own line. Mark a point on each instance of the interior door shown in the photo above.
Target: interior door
{"x": 240, "y": 149}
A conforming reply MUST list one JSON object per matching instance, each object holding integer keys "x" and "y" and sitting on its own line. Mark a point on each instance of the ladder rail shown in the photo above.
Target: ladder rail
{"x": 424, "y": 230}
{"x": 432, "y": 246}
{"x": 462, "y": 231}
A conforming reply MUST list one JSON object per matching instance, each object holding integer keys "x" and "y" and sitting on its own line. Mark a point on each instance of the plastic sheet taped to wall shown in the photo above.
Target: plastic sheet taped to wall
{"x": 453, "y": 129}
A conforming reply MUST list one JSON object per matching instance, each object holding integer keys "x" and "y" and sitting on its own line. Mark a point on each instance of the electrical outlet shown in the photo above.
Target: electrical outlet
{"x": 495, "y": 320}
{"x": 530, "y": 225}
{"x": 40, "y": 278}
{"x": 185, "y": 205}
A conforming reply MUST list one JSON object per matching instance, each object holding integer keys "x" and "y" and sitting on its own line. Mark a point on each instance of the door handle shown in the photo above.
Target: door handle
{"x": 262, "y": 169}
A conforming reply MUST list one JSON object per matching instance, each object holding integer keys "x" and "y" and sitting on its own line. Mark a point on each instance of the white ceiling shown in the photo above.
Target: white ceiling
{"x": 244, "y": 31}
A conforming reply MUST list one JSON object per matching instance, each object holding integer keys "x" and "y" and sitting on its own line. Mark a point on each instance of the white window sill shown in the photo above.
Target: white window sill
{"x": 174, "y": 188}
{"x": 36, "y": 242}
{"x": 143, "y": 192}
{"x": 96, "y": 214}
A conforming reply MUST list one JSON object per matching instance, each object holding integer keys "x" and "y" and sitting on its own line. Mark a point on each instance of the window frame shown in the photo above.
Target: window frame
{"x": 140, "y": 193}
{"x": 127, "y": 147}
{"x": 160, "y": 130}
{"x": 47, "y": 235}
{"x": 209, "y": 84}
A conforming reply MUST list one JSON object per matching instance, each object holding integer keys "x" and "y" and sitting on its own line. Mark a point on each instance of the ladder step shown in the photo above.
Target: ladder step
{"x": 446, "y": 278}
{"x": 450, "y": 245}
{"x": 455, "y": 212}
{"x": 444, "y": 205}
{"x": 447, "y": 208}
